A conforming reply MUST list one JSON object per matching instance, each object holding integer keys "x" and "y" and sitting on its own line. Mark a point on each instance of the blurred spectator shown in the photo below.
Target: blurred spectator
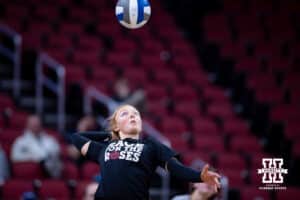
{"x": 123, "y": 94}
{"x": 7, "y": 115}
{"x": 29, "y": 196}
{"x": 90, "y": 190}
{"x": 37, "y": 146}
{"x": 201, "y": 191}
{"x": 87, "y": 123}
{"x": 4, "y": 168}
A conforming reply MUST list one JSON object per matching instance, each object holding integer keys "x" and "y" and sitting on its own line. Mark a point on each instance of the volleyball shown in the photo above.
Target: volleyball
{"x": 133, "y": 14}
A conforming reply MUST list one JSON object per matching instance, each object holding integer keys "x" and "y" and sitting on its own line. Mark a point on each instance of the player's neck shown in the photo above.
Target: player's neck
{"x": 132, "y": 136}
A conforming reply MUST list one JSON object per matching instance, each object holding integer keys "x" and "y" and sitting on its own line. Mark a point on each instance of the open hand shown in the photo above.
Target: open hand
{"x": 211, "y": 178}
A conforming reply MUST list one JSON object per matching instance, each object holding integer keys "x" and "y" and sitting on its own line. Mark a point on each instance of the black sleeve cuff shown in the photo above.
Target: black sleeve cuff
{"x": 78, "y": 140}
{"x": 96, "y": 136}
{"x": 182, "y": 172}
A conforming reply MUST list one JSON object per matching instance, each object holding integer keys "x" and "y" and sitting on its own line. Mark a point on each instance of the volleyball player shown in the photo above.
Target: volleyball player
{"x": 127, "y": 161}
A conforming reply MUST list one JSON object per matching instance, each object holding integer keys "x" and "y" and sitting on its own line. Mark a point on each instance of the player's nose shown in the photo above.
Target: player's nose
{"x": 131, "y": 116}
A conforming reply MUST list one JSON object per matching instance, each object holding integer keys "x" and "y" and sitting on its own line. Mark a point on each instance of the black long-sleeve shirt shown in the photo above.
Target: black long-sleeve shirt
{"x": 127, "y": 166}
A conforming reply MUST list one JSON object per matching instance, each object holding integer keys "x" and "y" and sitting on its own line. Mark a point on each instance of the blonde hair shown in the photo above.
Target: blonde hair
{"x": 112, "y": 123}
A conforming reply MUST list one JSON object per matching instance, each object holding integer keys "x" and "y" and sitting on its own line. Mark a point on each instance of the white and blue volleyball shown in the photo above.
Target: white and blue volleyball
{"x": 133, "y": 13}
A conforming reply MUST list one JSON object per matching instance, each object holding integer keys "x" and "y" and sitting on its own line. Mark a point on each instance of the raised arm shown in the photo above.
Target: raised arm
{"x": 188, "y": 174}
{"x": 81, "y": 143}
{"x": 83, "y": 140}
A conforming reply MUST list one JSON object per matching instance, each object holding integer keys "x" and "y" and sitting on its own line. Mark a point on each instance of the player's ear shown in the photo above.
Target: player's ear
{"x": 116, "y": 129}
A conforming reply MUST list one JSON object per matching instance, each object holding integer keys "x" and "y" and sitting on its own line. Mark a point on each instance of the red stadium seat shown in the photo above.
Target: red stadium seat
{"x": 71, "y": 28}
{"x": 220, "y": 110}
{"x": 27, "y": 170}
{"x": 256, "y": 159}
{"x": 292, "y": 130}
{"x": 271, "y": 96}
{"x": 292, "y": 80}
{"x": 236, "y": 126}
{"x": 155, "y": 92}
{"x": 86, "y": 58}
{"x": 267, "y": 50}
{"x": 166, "y": 77}
{"x": 80, "y": 189}
{"x": 157, "y": 107}
{"x": 184, "y": 92}
{"x": 191, "y": 156}
{"x": 203, "y": 126}
{"x": 151, "y": 46}
{"x": 70, "y": 171}
{"x": 9, "y": 135}
{"x": 13, "y": 189}
{"x": 250, "y": 66}
{"x": 283, "y": 112}
{"x": 124, "y": 45}
{"x": 188, "y": 109}
{"x": 233, "y": 49}
{"x": 291, "y": 193}
{"x": 45, "y": 13}
{"x": 86, "y": 43}
{"x": 245, "y": 143}
{"x": 259, "y": 81}
{"x": 59, "y": 41}
{"x": 74, "y": 74}
{"x": 179, "y": 143}
{"x": 253, "y": 193}
{"x": 295, "y": 96}
{"x": 187, "y": 62}
{"x": 136, "y": 76}
{"x": 227, "y": 161}
{"x": 256, "y": 179}
{"x": 209, "y": 143}
{"x": 278, "y": 64}
{"x": 80, "y": 14}
{"x": 233, "y": 7}
{"x": 17, "y": 10}
{"x": 6, "y": 101}
{"x": 153, "y": 61}
{"x": 89, "y": 171}
{"x": 262, "y": 6}
{"x": 235, "y": 177}
{"x": 196, "y": 78}
{"x": 218, "y": 36}
{"x": 214, "y": 93}
{"x": 104, "y": 74}
{"x": 173, "y": 126}
{"x": 54, "y": 189}
{"x": 296, "y": 149}
{"x": 218, "y": 33}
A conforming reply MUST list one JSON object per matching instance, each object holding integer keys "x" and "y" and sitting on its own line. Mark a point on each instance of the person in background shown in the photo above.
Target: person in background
{"x": 35, "y": 145}
{"x": 204, "y": 191}
{"x": 90, "y": 191}
{"x": 4, "y": 168}
{"x": 124, "y": 95}
{"x": 86, "y": 123}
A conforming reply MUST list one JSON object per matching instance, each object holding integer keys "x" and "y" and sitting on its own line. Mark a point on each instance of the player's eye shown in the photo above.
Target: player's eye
{"x": 124, "y": 113}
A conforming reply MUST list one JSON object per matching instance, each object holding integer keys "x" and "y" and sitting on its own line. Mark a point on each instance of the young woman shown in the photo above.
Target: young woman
{"x": 127, "y": 162}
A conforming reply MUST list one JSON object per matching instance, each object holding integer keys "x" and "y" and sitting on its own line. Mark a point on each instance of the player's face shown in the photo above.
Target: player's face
{"x": 128, "y": 120}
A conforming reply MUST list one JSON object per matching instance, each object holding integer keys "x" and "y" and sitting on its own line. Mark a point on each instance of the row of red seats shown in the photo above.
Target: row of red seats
{"x": 54, "y": 189}
{"x": 70, "y": 171}
{"x": 261, "y": 80}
